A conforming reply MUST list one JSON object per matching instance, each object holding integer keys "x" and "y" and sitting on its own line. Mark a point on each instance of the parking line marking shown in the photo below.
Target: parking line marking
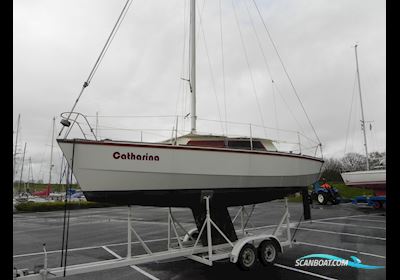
{"x": 163, "y": 239}
{"x": 350, "y": 225}
{"x": 342, "y": 233}
{"x": 133, "y": 266}
{"x": 304, "y": 271}
{"x": 311, "y": 221}
{"x": 99, "y": 222}
{"x": 144, "y": 272}
{"x": 111, "y": 252}
{"x": 339, "y": 249}
{"x": 88, "y": 248}
{"x": 346, "y": 217}
{"x": 364, "y": 220}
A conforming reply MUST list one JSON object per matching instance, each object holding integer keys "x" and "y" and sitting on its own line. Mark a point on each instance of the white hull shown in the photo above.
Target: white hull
{"x": 369, "y": 179}
{"x": 98, "y": 166}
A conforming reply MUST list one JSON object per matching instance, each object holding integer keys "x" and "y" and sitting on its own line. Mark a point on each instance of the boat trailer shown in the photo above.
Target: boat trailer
{"x": 243, "y": 251}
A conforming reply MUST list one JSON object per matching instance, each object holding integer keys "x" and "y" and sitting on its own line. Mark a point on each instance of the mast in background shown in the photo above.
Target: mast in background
{"x": 22, "y": 169}
{"x": 362, "y": 109}
{"x": 51, "y": 152}
{"x": 15, "y": 147}
{"x": 29, "y": 172}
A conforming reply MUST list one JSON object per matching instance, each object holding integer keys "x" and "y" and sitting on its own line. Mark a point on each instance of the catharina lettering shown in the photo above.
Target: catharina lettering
{"x": 132, "y": 156}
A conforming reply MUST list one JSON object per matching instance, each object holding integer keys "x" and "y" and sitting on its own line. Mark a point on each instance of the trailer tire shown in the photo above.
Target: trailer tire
{"x": 377, "y": 205}
{"x": 247, "y": 257}
{"x": 336, "y": 200}
{"x": 267, "y": 252}
{"x": 321, "y": 198}
{"x": 191, "y": 235}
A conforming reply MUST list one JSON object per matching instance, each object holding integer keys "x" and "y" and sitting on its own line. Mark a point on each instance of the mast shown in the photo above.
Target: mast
{"x": 362, "y": 109}
{"x": 29, "y": 172}
{"x": 192, "y": 78}
{"x": 22, "y": 168}
{"x": 15, "y": 148}
{"x": 51, "y": 152}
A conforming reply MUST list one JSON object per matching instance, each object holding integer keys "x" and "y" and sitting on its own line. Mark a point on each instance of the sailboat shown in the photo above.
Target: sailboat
{"x": 232, "y": 171}
{"x": 374, "y": 179}
{"x": 46, "y": 192}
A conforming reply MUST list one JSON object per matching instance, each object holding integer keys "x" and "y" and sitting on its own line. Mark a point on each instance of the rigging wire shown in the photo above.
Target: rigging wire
{"x": 351, "y": 108}
{"x": 290, "y": 111}
{"x": 130, "y": 116}
{"x": 254, "y": 125}
{"x": 287, "y": 74}
{"x": 210, "y": 69}
{"x": 100, "y": 57}
{"x": 65, "y": 235}
{"x": 266, "y": 64}
{"x": 275, "y": 111}
{"x": 223, "y": 66}
{"x": 248, "y": 64}
{"x": 273, "y": 82}
{"x": 357, "y": 132}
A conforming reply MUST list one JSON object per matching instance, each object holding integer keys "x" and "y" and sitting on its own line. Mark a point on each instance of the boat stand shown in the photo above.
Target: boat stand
{"x": 183, "y": 248}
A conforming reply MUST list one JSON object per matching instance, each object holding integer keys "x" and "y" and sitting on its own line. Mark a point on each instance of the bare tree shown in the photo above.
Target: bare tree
{"x": 331, "y": 169}
{"x": 353, "y": 162}
{"x": 350, "y": 162}
{"x": 377, "y": 160}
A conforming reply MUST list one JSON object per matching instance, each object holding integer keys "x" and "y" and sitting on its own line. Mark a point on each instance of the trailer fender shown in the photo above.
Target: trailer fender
{"x": 193, "y": 233}
{"x": 254, "y": 240}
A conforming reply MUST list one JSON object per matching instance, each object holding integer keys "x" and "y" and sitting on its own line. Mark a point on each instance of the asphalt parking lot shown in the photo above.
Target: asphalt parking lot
{"x": 342, "y": 230}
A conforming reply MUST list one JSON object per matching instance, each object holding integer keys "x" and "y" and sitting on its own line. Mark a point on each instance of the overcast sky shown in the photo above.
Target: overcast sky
{"x": 56, "y": 43}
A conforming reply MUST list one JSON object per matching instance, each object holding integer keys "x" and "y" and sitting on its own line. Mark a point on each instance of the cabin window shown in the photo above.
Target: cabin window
{"x": 205, "y": 143}
{"x": 245, "y": 145}
{"x": 232, "y": 144}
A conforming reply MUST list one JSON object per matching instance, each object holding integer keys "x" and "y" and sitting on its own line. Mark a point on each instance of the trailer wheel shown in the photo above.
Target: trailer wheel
{"x": 336, "y": 200}
{"x": 321, "y": 198}
{"x": 191, "y": 235}
{"x": 267, "y": 252}
{"x": 247, "y": 257}
{"x": 377, "y": 205}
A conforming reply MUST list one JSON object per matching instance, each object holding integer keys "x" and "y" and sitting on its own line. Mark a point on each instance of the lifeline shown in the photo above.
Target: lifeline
{"x": 132, "y": 156}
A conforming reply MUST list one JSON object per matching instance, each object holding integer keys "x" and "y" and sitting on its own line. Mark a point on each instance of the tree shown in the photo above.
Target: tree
{"x": 375, "y": 159}
{"x": 331, "y": 170}
{"x": 350, "y": 162}
{"x": 353, "y": 162}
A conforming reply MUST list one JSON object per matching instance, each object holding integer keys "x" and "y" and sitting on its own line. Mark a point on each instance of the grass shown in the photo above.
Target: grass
{"x": 57, "y": 205}
{"x": 344, "y": 191}
{"x": 348, "y": 192}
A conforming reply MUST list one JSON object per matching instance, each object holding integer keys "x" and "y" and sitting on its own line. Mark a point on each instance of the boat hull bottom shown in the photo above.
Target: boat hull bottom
{"x": 220, "y": 199}
{"x": 189, "y": 198}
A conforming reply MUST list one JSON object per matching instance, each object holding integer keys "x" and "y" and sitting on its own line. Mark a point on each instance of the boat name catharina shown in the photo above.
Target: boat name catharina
{"x": 132, "y": 156}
